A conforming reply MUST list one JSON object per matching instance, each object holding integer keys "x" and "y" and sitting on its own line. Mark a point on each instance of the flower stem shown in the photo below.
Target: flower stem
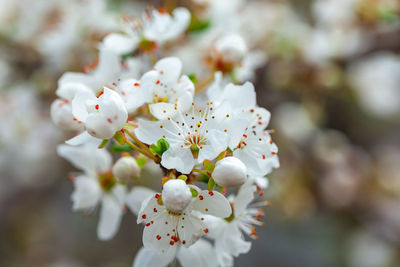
{"x": 133, "y": 136}
{"x": 202, "y": 85}
{"x": 144, "y": 152}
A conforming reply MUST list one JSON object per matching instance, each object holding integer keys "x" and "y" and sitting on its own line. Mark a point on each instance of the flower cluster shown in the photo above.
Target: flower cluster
{"x": 208, "y": 137}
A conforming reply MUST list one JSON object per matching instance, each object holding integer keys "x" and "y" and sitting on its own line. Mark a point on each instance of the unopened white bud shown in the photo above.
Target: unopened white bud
{"x": 230, "y": 172}
{"x": 231, "y": 48}
{"x": 176, "y": 195}
{"x": 61, "y": 114}
{"x": 125, "y": 169}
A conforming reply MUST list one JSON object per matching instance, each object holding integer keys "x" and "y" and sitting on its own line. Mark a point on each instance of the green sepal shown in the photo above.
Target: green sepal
{"x": 103, "y": 143}
{"x": 194, "y": 192}
{"x": 222, "y": 190}
{"x": 159, "y": 200}
{"x": 182, "y": 177}
{"x": 211, "y": 184}
{"x": 208, "y": 165}
{"x": 120, "y": 138}
{"x": 221, "y": 155}
{"x": 121, "y": 148}
{"x": 160, "y": 148}
{"x": 193, "y": 77}
{"x": 165, "y": 179}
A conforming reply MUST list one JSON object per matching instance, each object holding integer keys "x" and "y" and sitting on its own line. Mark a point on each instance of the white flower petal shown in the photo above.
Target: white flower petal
{"x": 178, "y": 158}
{"x": 110, "y": 218}
{"x": 200, "y": 253}
{"x": 150, "y": 208}
{"x": 162, "y": 110}
{"x": 61, "y": 115}
{"x": 70, "y": 89}
{"x": 230, "y": 243}
{"x": 152, "y": 258}
{"x": 190, "y": 229}
{"x": 87, "y": 193}
{"x": 212, "y": 203}
{"x": 79, "y": 105}
{"x": 136, "y": 197}
{"x": 217, "y": 142}
{"x": 239, "y": 96}
{"x": 119, "y": 43}
{"x": 83, "y": 138}
{"x": 149, "y": 132}
{"x": 171, "y": 68}
{"x": 243, "y": 198}
{"x": 157, "y": 235}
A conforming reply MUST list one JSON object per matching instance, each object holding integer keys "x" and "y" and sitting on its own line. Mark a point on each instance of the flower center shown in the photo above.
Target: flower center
{"x": 160, "y": 99}
{"x": 106, "y": 180}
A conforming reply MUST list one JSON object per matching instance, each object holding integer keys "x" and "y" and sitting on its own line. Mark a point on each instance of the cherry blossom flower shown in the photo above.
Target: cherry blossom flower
{"x": 102, "y": 116}
{"x": 169, "y": 224}
{"x": 61, "y": 109}
{"x": 193, "y": 136}
{"x": 228, "y": 236}
{"x": 107, "y": 70}
{"x": 155, "y": 28}
{"x": 255, "y": 147}
{"x": 96, "y": 185}
{"x": 163, "y": 87}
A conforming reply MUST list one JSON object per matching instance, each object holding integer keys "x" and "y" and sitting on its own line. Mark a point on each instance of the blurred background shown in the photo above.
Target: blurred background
{"x": 331, "y": 80}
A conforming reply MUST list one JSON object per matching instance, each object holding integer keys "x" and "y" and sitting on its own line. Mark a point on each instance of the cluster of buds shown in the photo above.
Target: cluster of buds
{"x": 209, "y": 139}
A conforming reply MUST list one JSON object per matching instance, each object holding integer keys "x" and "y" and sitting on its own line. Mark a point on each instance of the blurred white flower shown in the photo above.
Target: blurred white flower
{"x": 155, "y": 28}
{"x": 96, "y": 185}
{"x": 376, "y": 81}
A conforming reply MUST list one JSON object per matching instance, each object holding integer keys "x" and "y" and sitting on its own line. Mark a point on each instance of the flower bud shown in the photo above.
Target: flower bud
{"x": 231, "y": 48}
{"x": 176, "y": 195}
{"x": 230, "y": 172}
{"x": 125, "y": 169}
{"x": 61, "y": 115}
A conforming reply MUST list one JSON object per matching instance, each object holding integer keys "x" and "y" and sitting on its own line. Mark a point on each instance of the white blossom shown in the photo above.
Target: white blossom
{"x": 165, "y": 228}
{"x": 103, "y": 115}
{"x": 96, "y": 185}
{"x": 155, "y": 28}
{"x": 166, "y": 91}
{"x": 193, "y": 136}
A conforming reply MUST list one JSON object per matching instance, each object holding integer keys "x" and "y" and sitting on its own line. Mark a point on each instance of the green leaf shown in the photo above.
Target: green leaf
{"x": 208, "y": 165}
{"x": 141, "y": 162}
{"x": 160, "y": 148}
{"x": 121, "y": 148}
{"x": 198, "y": 25}
{"x": 163, "y": 145}
{"x": 194, "y": 192}
{"x": 103, "y": 143}
{"x": 211, "y": 184}
{"x": 120, "y": 138}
